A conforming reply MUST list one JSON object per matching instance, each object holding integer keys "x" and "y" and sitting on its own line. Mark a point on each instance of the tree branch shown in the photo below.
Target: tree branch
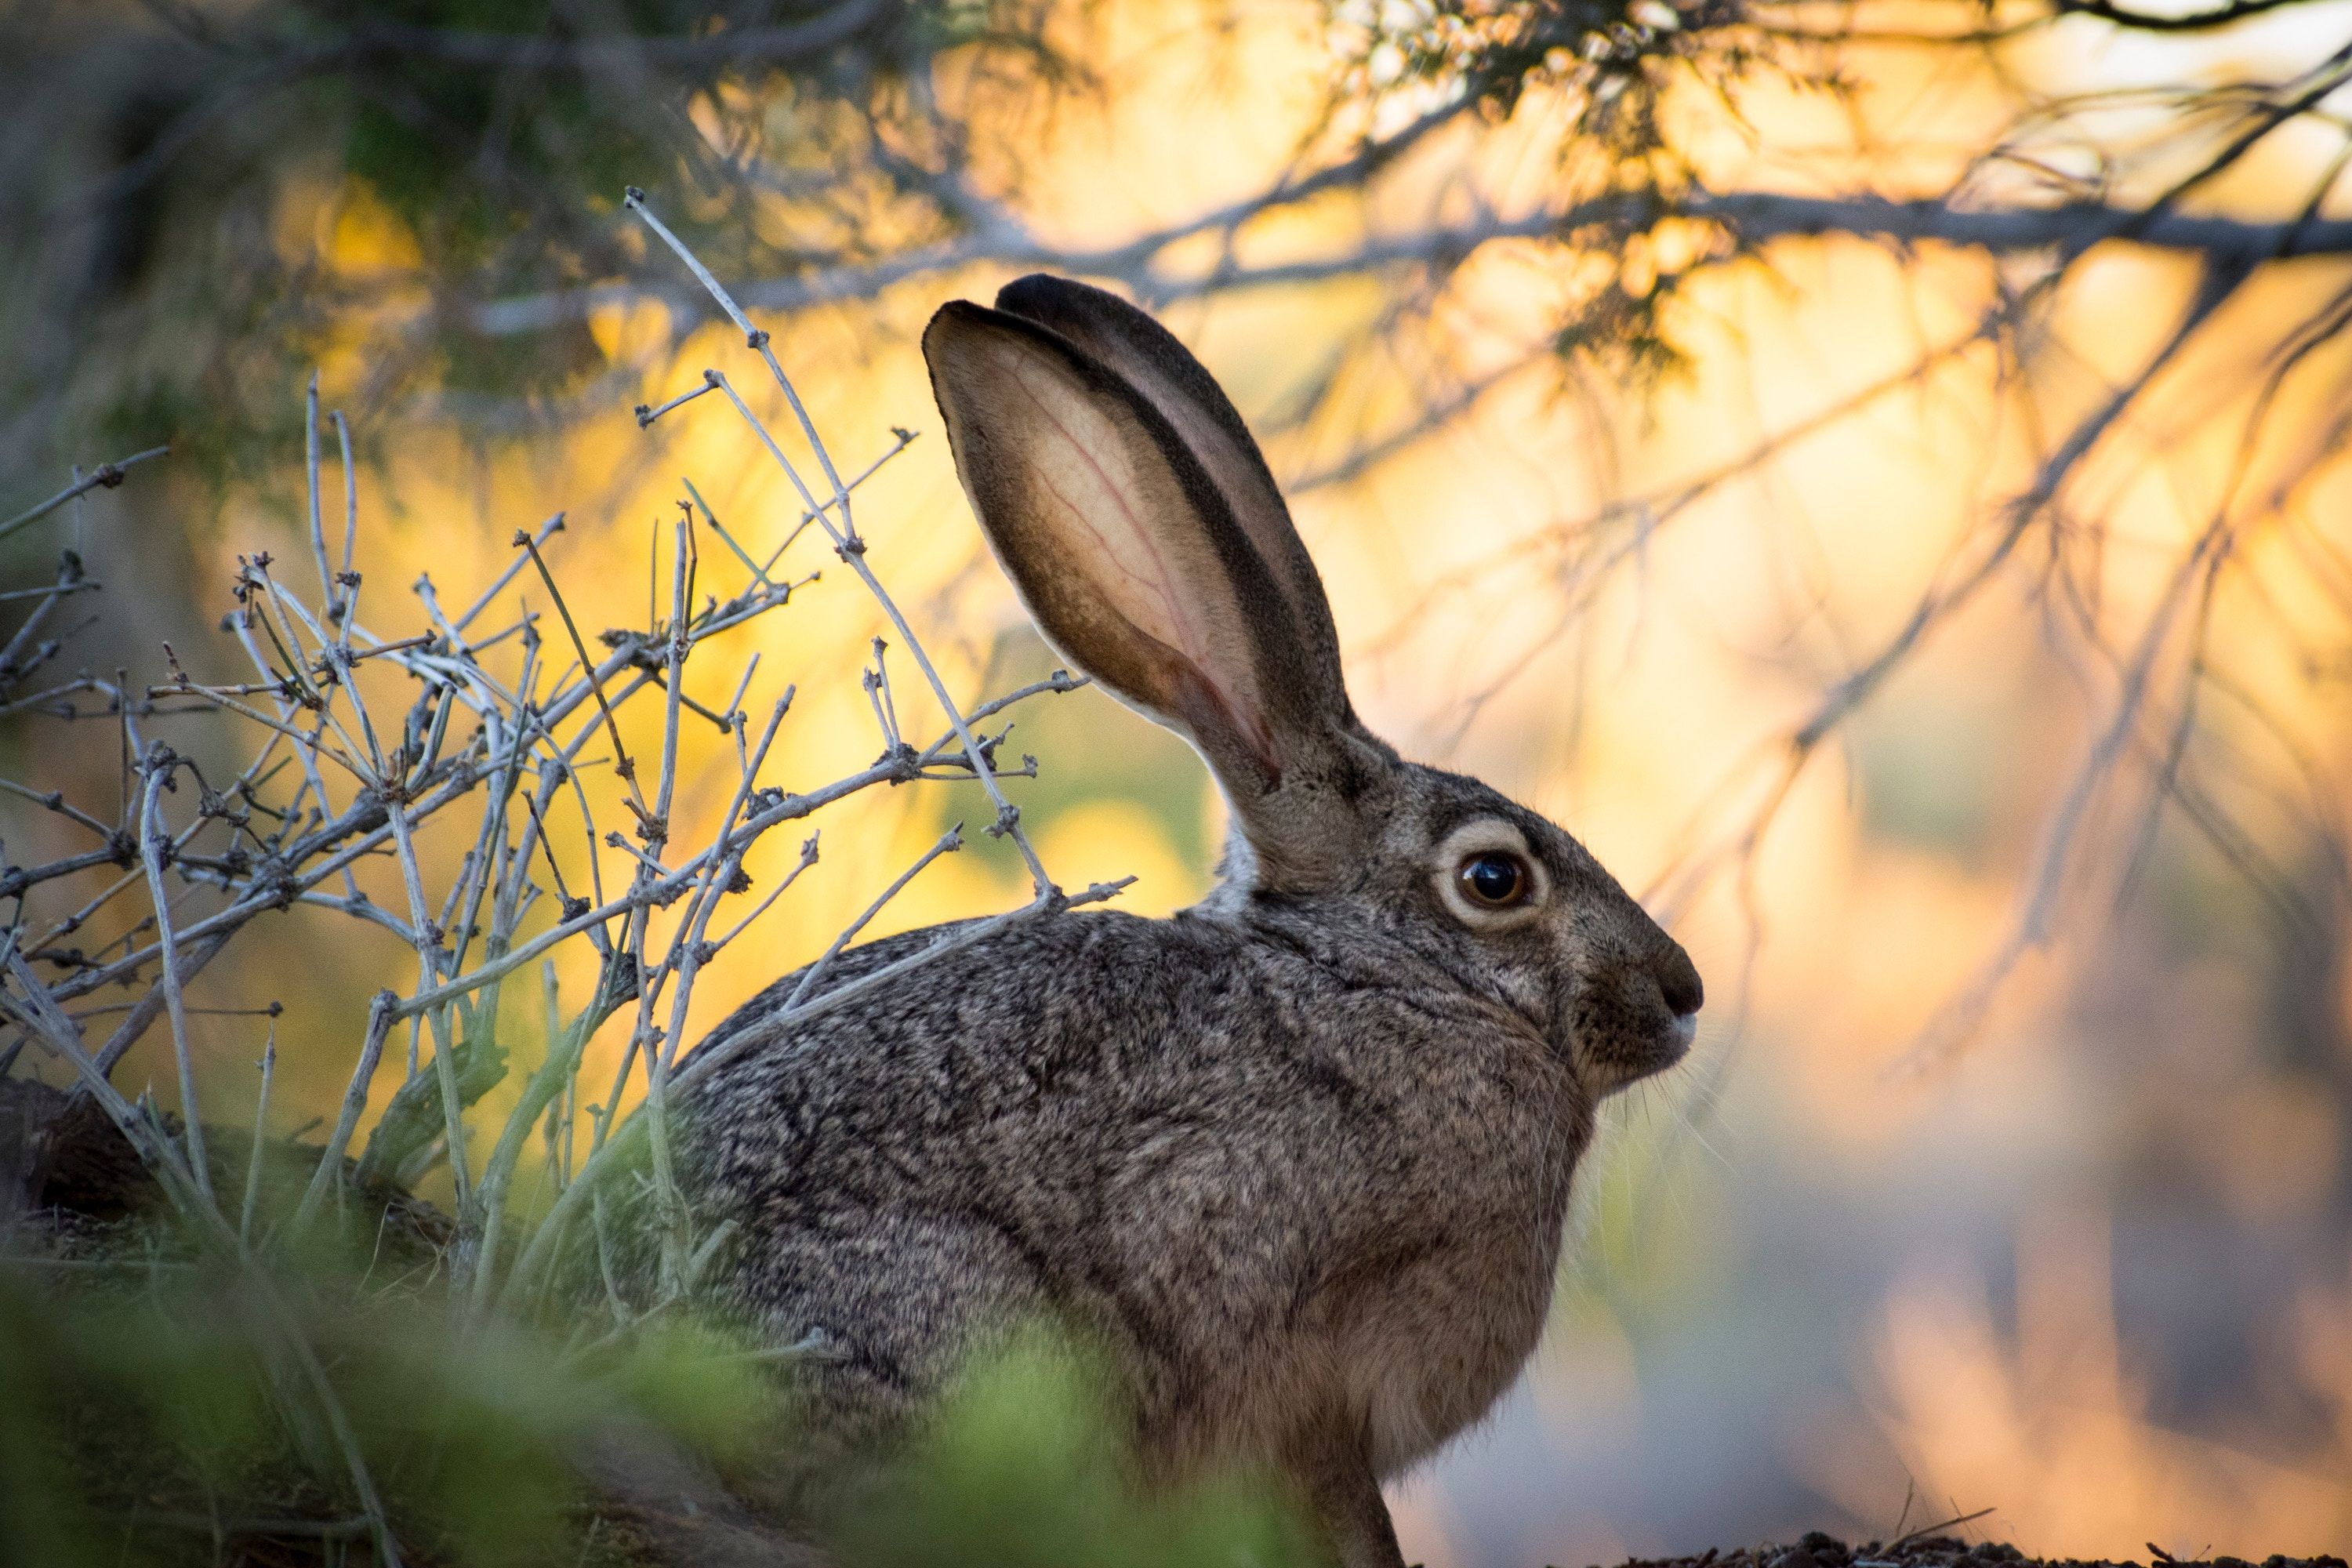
{"x": 1752, "y": 217}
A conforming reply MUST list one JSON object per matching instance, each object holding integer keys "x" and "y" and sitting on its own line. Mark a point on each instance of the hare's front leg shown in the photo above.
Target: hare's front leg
{"x": 1343, "y": 1496}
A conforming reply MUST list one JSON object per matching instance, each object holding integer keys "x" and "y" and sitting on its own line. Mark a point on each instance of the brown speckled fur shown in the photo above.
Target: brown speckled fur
{"x": 1298, "y": 1159}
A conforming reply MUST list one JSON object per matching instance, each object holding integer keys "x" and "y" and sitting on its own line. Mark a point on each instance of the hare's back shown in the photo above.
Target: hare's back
{"x": 1028, "y": 1065}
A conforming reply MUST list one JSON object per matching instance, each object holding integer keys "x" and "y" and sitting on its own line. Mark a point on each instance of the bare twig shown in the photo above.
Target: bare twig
{"x": 159, "y": 768}
{"x": 105, "y": 475}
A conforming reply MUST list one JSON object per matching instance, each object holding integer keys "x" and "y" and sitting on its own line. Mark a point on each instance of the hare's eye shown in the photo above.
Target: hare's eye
{"x": 1494, "y": 878}
{"x": 1487, "y": 878}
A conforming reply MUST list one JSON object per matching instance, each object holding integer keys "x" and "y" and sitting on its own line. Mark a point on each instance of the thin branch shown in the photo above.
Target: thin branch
{"x": 160, "y": 765}
{"x": 105, "y": 475}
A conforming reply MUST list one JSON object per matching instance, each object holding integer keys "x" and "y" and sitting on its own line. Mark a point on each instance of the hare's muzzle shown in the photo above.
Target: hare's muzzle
{"x": 1682, "y": 993}
{"x": 1637, "y": 1017}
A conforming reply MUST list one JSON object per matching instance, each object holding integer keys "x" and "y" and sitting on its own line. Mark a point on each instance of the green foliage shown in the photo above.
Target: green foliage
{"x": 137, "y": 1396}
{"x": 40, "y": 1512}
{"x": 142, "y": 1399}
{"x": 1023, "y": 1470}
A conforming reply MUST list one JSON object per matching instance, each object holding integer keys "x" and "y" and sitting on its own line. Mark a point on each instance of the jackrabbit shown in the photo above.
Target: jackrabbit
{"x": 1299, "y": 1158}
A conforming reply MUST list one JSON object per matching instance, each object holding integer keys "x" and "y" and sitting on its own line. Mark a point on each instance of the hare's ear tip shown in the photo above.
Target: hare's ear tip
{"x": 1047, "y": 296}
{"x": 1030, "y": 288}
{"x": 955, "y": 312}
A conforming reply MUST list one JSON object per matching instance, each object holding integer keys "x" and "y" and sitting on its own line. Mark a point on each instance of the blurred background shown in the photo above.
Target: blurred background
{"x": 1874, "y": 472}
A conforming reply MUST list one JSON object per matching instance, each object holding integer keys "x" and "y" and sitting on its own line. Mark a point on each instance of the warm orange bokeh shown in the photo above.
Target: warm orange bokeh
{"x": 1893, "y": 870}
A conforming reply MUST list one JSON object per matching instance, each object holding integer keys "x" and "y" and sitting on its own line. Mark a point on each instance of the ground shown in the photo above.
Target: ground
{"x": 1820, "y": 1550}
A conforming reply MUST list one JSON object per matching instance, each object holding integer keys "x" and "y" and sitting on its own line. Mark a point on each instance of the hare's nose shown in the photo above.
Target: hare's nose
{"x": 1678, "y": 981}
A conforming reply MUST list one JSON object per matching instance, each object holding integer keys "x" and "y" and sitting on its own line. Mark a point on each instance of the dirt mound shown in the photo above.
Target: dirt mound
{"x": 1820, "y": 1550}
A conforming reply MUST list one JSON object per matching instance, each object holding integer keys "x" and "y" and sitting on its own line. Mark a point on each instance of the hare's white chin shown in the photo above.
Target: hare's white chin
{"x": 1685, "y": 1029}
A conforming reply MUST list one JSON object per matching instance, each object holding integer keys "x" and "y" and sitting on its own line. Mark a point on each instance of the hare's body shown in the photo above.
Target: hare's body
{"x": 1297, "y": 1162}
{"x": 1334, "y": 1194}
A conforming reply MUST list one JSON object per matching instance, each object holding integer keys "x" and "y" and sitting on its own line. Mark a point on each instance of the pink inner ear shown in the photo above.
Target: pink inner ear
{"x": 1133, "y": 540}
{"x": 1098, "y": 511}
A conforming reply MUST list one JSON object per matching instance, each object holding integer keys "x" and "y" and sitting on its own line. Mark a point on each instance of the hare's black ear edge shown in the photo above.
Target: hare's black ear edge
{"x": 1083, "y": 313}
{"x": 1074, "y": 308}
{"x": 1041, "y": 295}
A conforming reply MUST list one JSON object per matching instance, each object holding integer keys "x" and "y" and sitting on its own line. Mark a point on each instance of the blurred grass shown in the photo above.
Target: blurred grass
{"x": 1024, "y": 1469}
{"x": 138, "y": 1425}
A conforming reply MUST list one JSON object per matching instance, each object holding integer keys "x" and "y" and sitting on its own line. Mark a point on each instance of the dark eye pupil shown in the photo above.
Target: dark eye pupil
{"x": 1494, "y": 879}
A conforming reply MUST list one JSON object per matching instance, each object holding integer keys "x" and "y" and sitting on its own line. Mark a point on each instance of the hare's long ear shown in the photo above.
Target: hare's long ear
{"x": 1150, "y": 359}
{"x": 1130, "y": 560}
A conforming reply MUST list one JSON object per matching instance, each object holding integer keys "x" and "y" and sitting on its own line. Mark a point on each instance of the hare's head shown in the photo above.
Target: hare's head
{"x": 1136, "y": 516}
